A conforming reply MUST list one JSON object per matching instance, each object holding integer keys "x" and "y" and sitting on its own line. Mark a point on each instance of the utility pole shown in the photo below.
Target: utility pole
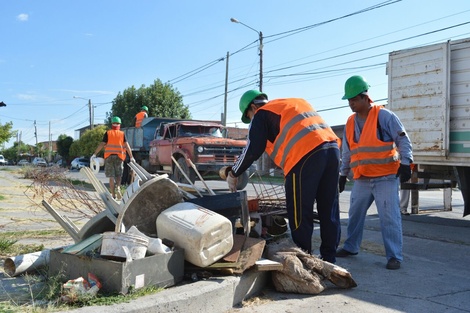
{"x": 260, "y": 61}
{"x": 260, "y": 35}
{"x": 36, "y": 134}
{"x": 50, "y": 142}
{"x": 90, "y": 107}
{"x": 224, "y": 120}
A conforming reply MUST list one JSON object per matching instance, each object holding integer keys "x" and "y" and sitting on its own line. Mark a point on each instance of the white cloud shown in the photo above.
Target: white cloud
{"x": 23, "y": 17}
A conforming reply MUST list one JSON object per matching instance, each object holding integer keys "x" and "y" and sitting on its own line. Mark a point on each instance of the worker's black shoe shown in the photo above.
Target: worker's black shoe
{"x": 341, "y": 253}
{"x": 393, "y": 264}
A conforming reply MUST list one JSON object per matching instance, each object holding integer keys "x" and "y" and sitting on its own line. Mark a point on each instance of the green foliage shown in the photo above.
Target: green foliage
{"x": 6, "y": 133}
{"x": 5, "y": 244}
{"x": 161, "y": 99}
{"x": 63, "y": 146}
{"x": 19, "y": 148}
{"x": 86, "y": 145}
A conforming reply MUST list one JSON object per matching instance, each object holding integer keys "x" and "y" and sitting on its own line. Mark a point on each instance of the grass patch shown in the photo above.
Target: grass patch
{"x": 2, "y": 197}
{"x": 48, "y": 298}
{"x": 9, "y": 245}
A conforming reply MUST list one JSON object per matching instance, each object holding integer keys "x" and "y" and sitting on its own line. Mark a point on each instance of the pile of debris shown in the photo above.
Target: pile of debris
{"x": 161, "y": 232}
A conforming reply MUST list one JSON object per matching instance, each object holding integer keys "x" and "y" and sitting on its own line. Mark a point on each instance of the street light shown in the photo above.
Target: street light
{"x": 260, "y": 34}
{"x": 90, "y": 108}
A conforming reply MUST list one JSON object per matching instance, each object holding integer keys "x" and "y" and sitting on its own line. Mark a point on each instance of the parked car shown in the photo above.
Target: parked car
{"x": 78, "y": 163}
{"x": 3, "y": 161}
{"x": 37, "y": 161}
{"x": 23, "y": 162}
{"x": 61, "y": 163}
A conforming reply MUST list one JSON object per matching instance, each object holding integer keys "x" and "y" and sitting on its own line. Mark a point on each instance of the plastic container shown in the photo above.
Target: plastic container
{"x": 95, "y": 164}
{"x": 205, "y": 236}
{"x": 113, "y": 243}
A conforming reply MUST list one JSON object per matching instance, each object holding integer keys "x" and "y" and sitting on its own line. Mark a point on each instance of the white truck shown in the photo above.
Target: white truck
{"x": 429, "y": 90}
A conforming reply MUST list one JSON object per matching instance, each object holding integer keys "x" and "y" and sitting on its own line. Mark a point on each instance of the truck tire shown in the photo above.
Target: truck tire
{"x": 178, "y": 177}
{"x": 242, "y": 181}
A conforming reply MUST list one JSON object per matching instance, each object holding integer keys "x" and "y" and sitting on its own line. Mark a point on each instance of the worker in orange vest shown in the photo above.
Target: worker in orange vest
{"x": 115, "y": 148}
{"x": 302, "y": 144}
{"x": 139, "y": 117}
{"x": 378, "y": 152}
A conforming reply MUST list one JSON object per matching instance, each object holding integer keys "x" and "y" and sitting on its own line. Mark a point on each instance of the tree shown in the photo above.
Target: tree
{"x": 6, "y": 133}
{"x": 161, "y": 99}
{"x": 86, "y": 145}
{"x": 63, "y": 146}
{"x": 18, "y": 149}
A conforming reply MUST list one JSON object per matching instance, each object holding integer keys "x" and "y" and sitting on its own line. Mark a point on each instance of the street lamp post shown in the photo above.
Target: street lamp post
{"x": 90, "y": 109}
{"x": 260, "y": 34}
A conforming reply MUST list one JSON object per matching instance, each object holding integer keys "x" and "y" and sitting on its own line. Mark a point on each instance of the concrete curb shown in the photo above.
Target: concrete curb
{"x": 215, "y": 295}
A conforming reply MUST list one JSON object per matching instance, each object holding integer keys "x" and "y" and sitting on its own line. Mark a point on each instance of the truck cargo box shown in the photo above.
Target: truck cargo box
{"x": 429, "y": 90}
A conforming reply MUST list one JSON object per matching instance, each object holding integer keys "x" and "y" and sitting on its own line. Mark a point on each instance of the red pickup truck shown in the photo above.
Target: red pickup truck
{"x": 204, "y": 143}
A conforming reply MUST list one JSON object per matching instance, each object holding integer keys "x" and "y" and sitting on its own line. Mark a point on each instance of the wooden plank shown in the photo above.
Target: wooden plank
{"x": 251, "y": 252}
{"x": 234, "y": 254}
{"x": 268, "y": 265}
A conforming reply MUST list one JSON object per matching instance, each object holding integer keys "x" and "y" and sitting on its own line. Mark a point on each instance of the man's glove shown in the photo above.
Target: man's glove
{"x": 232, "y": 182}
{"x": 404, "y": 171}
{"x": 93, "y": 157}
{"x": 342, "y": 183}
{"x": 132, "y": 160}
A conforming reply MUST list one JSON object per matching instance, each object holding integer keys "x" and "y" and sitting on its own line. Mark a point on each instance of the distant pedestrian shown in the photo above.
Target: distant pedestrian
{"x": 139, "y": 117}
{"x": 115, "y": 147}
{"x": 377, "y": 150}
{"x": 301, "y": 143}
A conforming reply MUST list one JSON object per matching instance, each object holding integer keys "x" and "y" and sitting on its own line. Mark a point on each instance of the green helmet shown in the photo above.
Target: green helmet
{"x": 245, "y": 101}
{"x": 116, "y": 119}
{"x": 354, "y": 85}
{"x": 144, "y": 108}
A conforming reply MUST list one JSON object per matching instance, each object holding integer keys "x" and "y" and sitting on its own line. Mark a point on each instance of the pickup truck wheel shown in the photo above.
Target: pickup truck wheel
{"x": 178, "y": 177}
{"x": 242, "y": 181}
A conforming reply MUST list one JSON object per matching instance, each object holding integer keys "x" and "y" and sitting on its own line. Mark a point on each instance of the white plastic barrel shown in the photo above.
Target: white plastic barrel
{"x": 205, "y": 236}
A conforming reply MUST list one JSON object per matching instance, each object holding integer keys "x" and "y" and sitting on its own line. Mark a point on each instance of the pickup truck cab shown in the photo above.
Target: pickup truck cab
{"x": 204, "y": 143}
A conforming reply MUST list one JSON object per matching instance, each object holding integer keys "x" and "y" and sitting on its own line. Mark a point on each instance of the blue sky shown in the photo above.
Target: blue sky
{"x": 52, "y": 51}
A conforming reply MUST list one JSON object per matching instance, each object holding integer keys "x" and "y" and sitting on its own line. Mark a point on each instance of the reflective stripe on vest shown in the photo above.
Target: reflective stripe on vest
{"x": 301, "y": 130}
{"x": 371, "y": 157}
{"x": 139, "y": 118}
{"x": 115, "y": 144}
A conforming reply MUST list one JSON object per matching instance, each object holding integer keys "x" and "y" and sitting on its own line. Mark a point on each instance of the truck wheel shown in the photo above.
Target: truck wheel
{"x": 178, "y": 177}
{"x": 242, "y": 181}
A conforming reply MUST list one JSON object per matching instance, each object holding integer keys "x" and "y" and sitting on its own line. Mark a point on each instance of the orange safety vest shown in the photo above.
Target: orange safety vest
{"x": 139, "y": 117}
{"x": 371, "y": 157}
{"x": 301, "y": 130}
{"x": 115, "y": 144}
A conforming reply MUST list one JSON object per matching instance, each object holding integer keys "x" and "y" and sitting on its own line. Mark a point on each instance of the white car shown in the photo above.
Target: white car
{"x": 78, "y": 163}
{"x": 37, "y": 161}
{"x": 3, "y": 161}
{"x": 23, "y": 162}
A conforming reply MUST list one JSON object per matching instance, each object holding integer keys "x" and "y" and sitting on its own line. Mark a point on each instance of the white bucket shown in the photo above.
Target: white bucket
{"x": 206, "y": 236}
{"x": 112, "y": 245}
{"x": 96, "y": 164}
